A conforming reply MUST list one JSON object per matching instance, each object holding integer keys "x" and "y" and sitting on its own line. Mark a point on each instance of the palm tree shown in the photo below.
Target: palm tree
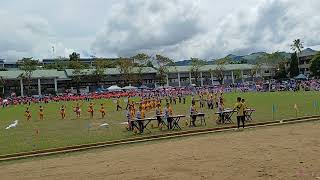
{"x": 297, "y": 47}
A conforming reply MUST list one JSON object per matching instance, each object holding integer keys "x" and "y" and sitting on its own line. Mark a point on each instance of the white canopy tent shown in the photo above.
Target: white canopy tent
{"x": 129, "y": 88}
{"x": 114, "y": 88}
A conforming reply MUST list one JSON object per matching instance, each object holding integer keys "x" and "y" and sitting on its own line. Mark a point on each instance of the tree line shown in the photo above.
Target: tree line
{"x": 132, "y": 68}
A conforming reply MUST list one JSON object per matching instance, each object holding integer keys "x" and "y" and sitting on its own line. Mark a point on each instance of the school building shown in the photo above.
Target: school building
{"x": 53, "y": 81}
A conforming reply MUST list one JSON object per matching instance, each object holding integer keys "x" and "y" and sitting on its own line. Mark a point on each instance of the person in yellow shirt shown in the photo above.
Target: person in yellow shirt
{"x": 41, "y": 112}
{"x": 27, "y": 114}
{"x": 63, "y": 112}
{"x": 239, "y": 107}
{"x": 102, "y": 111}
{"x": 91, "y": 109}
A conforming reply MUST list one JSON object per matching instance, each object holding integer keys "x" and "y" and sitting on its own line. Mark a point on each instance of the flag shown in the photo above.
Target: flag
{"x": 274, "y": 108}
{"x": 315, "y": 104}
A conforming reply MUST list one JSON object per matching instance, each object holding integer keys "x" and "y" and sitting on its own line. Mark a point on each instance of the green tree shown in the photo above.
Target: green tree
{"x": 254, "y": 71}
{"x": 99, "y": 70}
{"x": 196, "y": 65}
{"x": 273, "y": 60}
{"x": 142, "y": 61}
{"x": 237, "y": 74}
{"x": 77, "y": 66}
{"x": 162, "y": 68}
{"x": 59, "y": 64}
{"x": 315, "y": 66}
{"x": 125, "y": 67}
{"x": 220, "y": 69}
{"x": 28, "y": 65}
{"x": 294, "y": 65}
{"x": 225, "y": 60}
{"x": 281, "y": 72}
{"x": 297, "y": 47}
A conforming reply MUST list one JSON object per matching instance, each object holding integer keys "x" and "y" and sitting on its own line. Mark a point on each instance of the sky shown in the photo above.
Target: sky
{"x": 179, "y": 29}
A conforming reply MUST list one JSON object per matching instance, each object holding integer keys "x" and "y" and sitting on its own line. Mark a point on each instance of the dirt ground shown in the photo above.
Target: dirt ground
{"x": 282, "y": 152}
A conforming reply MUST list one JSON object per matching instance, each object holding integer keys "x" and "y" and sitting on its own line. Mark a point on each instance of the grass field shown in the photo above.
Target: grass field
{"x": 54, "y": 132}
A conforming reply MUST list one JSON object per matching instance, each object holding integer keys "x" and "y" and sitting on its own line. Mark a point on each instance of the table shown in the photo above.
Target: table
{"x": 248, "y": 114}
{"x": 227, "y": 115}
{"x": 175, "y": 121}
{"x": 145, "y": 122}
{"x": 201, "y": 116}
{"x": 162, "y": 121}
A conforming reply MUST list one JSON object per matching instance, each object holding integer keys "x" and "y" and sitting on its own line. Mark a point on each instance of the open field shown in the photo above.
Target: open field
{"x": 279, "y": 152}
{"x": 54, "y": 132}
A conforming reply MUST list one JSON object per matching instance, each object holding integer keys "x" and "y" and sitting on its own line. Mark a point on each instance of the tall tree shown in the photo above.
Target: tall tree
{"x": 196, "y": 65}
{"x": 238, "y": 75}
{"x": 273, "y": 60}
{"x": 59, "y": 64}
{"x": 297, "y": 47}
{"x": 294, "y": 65}
{"x": 281, "y": 72}
{"x": 142, "y": 61}
{"x": 162, "y": 68}
{"x": 254, "y": 71}
{"x": 125, "y": 67}
{"x": 99, "y": 70}
{"x": 28, "y": 65}
{"x": 315, "y": 66}
{"x": 77, "y": 66}
{"x": 220, "y": 69}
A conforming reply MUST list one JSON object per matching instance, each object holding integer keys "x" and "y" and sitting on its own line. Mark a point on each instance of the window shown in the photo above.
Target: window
{"x": 267, "y": 71}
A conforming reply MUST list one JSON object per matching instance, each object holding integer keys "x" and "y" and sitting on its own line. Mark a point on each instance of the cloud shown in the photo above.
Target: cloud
{"x": 179, "y": 29}
{"x": 22, "y": 36}
{"x": 137, "y": 25}
{"x": 150, "y": 26}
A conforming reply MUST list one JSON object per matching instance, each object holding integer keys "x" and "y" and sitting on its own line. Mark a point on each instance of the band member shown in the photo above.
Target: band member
{"x": 130, "y": 122}
{"x": 215, "y": 99}
{"x": 27, "y": 114}
{"x": 239, "y": 107}
{"x": 128, "y": 103}
{"x": 168, "y": 113}
{"x": 77, "y": 110}
{"x": 41, "y": 112}
{"x": 103, "y": 111}
{"x": 118, "y": 105}
{"x": 63, "y": 112}
{"x": 140, "y": 115}
{"x": 193, "y": 114}
{"x": 158, "y": 114}
{"x": 221, "y": 112}
{"x": 90, "y": 109}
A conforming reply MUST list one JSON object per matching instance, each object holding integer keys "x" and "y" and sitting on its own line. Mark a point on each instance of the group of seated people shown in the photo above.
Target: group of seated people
{"x": 134, "y": 114}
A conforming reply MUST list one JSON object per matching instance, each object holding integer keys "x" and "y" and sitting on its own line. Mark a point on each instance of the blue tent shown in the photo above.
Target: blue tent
{"x": 301, "y": 77}
{"x": 143, "y": 87}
